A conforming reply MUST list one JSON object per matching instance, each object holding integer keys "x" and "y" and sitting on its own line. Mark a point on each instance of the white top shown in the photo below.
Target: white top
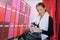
{"x": 43, "y": 24}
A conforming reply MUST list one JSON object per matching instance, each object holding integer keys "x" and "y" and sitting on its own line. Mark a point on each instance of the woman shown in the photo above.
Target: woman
{"x": 44, "y": 21}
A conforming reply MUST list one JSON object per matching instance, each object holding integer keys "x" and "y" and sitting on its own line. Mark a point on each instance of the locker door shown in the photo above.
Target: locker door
{"x": 28, "y": 16}
{"x": 2, "y": 15}
{"x": 5, "y": 30}
{"x": 1, "y": 31}
{"x": 11, "y": 28}
{"x": 22, "y": 27}
{"x": 7, "y": 21}
{"x": 26, "y": 10}
{"x": 12, "y": 19}
{"x": 8, "y": 13}
{"x": 21, "y": 19}
{"x": 2, "y": 11}
{"x": 16, "y": 19}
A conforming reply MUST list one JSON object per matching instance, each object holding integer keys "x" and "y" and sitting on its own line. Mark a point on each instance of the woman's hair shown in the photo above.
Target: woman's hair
{"x": 40, "y": 4}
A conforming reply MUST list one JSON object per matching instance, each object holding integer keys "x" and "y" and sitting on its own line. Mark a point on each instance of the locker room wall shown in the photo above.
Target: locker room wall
{"x": 4, "y": 29}
{"x": 6, "y": 19}
{"x": 17, "y": 17}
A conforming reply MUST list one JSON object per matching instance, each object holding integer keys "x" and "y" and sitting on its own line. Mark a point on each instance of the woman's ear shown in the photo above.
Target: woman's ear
{"x": 45, "y": 8}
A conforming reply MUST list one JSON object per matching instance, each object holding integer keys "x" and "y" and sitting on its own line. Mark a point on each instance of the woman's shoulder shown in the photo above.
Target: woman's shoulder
{"x": 50, "y": 19}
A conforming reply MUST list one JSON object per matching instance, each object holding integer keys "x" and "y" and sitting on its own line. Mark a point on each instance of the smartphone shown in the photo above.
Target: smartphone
{"x": 33, "y": 24}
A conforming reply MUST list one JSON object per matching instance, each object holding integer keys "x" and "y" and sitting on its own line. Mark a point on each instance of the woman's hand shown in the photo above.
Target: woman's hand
{"x": 35, "y": 28}
{"x": 31, "y": 29}
{"x": 38, "y": 29}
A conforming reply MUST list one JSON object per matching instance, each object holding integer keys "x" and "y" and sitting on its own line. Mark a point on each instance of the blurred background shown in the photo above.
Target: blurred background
{"x": 17, "y": 15}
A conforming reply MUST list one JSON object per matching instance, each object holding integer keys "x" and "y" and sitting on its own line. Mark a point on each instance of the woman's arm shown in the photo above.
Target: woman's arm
{"x": 50, "y": 31}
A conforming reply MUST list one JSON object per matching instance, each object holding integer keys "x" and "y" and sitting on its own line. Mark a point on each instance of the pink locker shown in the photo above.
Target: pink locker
{"x": 24, "y": 7}
{"x": 11, "y": 28}
{"x": 29, "y": 9}
{"x": 26, "y": 10}
{"x": 7, "y": 21}
{"x": 2, "y": 14}
{"x": 8, "y": 13}
{"x": 21, "y": 18}
{"x": 16, "y": 19}
{"x": 28, "y": 15}
{"x": 12, "y": 19}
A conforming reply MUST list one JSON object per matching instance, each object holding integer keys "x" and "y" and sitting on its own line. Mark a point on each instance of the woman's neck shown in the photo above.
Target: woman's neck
{"x": 42, "y": 14}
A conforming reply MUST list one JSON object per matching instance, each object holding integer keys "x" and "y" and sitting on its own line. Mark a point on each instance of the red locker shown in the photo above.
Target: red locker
{"x": 5, "y": 30}
{"x": 1, "y": 31}
{"x": 2, "y": 15}
{"x": 2, "y": 11}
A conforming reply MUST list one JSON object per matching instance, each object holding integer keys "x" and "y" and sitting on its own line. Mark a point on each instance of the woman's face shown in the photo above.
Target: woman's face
{"x": 40, "y": 9}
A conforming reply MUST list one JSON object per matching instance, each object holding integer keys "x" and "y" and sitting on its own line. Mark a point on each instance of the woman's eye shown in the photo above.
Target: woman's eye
{"x": 40, "y": 9}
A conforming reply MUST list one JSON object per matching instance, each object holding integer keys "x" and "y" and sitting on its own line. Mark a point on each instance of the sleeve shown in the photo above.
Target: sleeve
{"x": 50, "y": 31}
